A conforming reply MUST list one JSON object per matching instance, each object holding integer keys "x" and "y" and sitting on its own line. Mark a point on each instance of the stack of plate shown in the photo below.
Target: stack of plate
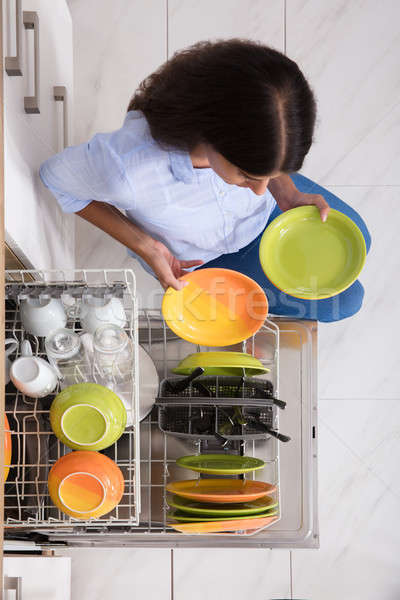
{"x": 217, "y": 505}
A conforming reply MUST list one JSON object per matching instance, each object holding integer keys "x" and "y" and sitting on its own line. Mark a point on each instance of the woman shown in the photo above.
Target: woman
{"x": 205, "y": 159}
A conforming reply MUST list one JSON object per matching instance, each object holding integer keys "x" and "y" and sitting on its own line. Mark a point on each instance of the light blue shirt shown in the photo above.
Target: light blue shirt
{"x": 194, "y": 212}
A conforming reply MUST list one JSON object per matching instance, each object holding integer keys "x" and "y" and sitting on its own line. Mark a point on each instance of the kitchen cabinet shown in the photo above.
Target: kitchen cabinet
{"x": 37, "y": 231}
{"x": 38, "y": 577}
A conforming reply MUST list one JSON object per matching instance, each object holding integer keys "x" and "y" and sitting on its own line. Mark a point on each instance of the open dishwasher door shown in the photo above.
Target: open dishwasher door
{"x": 289, "y": 349}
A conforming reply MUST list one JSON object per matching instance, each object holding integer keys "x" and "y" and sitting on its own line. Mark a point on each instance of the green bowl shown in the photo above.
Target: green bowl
{"x": 87, "y": 416}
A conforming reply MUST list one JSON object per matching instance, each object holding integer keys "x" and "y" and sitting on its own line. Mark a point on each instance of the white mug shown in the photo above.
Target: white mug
{"x": 95, "y": 312}
{"x": 32, "y": 375}
{"x": 40, "y": 316}
{"x": 12, "y": 346}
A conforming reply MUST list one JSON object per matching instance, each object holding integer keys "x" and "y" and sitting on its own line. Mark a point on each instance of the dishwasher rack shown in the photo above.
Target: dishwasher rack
{"x": 35, "y": 448}
{"x": 139, "y": 515}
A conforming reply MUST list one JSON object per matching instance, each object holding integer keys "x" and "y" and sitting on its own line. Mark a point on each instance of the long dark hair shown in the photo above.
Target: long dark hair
{"x": 250, "y": 102}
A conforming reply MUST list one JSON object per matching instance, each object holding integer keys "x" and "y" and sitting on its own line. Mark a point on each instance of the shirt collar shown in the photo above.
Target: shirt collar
{"x": 181, "y": 165}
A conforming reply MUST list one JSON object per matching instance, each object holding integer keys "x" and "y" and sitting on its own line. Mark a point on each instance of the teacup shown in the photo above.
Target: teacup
{"x": 95, "y": 312}
{"x": 12, "y": 346}
{"x": 32, "y": 375}
{"x": 40, "y": 316}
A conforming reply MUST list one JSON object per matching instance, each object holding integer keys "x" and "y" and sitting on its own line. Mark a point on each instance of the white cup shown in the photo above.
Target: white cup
{"x": 32, "y": 375}
{"x": 40, "y": 316}
{"x": 95, "y": 312}
{"x": 11, "y": 346}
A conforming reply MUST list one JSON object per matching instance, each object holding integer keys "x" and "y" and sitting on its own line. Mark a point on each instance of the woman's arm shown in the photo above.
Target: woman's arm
{"x": 288, "y": 196}
{"x": 112, "y": 221}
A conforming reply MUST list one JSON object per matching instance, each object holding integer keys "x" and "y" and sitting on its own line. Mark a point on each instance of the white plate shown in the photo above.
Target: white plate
{"x": 148, "y": 383}
{"x": 148, "y": 388}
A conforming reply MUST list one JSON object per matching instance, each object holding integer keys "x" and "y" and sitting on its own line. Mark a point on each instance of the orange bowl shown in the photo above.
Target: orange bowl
{"x": 218, "y": 307}
{"x": 7, "y": 447}
{"x": 85, "y": 484}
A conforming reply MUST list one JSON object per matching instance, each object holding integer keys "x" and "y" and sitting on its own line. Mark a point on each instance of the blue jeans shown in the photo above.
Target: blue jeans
{"x": 246, "y": 261}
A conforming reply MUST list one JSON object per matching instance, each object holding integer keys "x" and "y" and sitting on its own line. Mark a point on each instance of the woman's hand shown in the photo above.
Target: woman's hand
{"x": 287, "y": 196}
{"x": 167, "y": 267}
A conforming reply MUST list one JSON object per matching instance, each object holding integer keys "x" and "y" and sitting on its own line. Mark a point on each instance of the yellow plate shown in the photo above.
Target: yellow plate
{"x": 218, "y": 307}
{"x": 221, "y": 490}
{"x": 217, "y": 526}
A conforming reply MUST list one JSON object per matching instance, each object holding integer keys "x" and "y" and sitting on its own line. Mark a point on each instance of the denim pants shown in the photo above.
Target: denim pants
{"x": 246, "y": 261}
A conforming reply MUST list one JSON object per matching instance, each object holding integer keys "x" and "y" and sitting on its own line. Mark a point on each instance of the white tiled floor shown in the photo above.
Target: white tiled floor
{"x": 350, "y": 53}
{"x": 119, "y": 573}
{"x": 213, "y": 574}
{"x": 359, "y": 502}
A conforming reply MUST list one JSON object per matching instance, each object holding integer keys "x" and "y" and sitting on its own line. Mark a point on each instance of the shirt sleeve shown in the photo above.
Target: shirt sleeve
{"x": 89, "y": 171}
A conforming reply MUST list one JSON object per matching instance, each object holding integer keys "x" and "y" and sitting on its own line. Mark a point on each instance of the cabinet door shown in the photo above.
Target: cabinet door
{"x": 36, "y": 229}
{"x": 39, "y": 577}
{"x": 55, "y": 69}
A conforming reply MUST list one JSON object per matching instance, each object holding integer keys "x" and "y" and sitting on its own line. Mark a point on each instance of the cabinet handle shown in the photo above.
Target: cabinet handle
{"x": 12, "y": 63}
{"x": 31, "y": 21}
{"x": 13, "y": 584}
{"x": 60, "y": 95}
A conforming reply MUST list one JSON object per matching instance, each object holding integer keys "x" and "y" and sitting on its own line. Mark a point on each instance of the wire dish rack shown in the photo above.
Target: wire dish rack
{"x": 35, "y": 448}
{"x": 143, "y": 513}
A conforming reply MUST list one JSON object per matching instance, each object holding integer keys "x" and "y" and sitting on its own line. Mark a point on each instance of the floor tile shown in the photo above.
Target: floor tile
{"x": 119, "y": 573}
{"x": 349, "y": 52}
{"x": 191, "y": 21}
{"x": 359, "y": 507}
{"x": 113, "y": 53}
{"x": 212, "y": 574}
{"x": 358, "y": 357}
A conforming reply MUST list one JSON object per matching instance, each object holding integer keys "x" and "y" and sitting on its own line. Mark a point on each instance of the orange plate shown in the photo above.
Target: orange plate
{"x": 218, "y": 307}
{"x": 221, "y": 490}
{"x": 217, "y": 526}
{"x": 7, "y": 447}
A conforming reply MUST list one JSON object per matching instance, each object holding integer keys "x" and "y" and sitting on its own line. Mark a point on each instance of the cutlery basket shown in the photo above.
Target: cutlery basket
{"x": 208, "y": 404}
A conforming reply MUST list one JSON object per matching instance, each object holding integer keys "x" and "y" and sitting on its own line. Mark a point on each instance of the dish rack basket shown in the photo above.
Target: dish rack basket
{"x": 178, "y": 412}
{"x": 35, "y": 448}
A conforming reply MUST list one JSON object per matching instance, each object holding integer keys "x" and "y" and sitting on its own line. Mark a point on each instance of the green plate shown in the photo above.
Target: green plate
{"x": 309, "y": 259}
{"x": 178, "y": 516}
{"x": 222, "y": 510}
{"x": 220, "y": 464}
{"x": 221, "y": 363}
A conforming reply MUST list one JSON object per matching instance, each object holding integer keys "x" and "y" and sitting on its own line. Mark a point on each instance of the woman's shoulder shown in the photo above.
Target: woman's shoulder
{"x": 133, "y": 141}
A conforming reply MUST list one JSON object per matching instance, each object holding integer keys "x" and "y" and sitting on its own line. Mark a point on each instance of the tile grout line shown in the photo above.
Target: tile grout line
{"x": 172, "y": 574}
{"x": 167, "y": 30}
{"x": 284, "y": 26}
{"x": 291, "y": 574}
{"x": 357, "y": 399}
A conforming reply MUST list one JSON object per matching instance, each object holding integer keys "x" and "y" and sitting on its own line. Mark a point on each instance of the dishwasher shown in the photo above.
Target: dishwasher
{"x": 146, "y": 453}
